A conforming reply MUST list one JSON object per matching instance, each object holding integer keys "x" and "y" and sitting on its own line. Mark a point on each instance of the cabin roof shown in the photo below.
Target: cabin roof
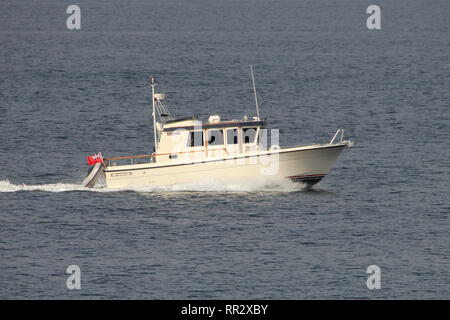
{"x": 181, "y": 119}
{"x": 222, "y": 124}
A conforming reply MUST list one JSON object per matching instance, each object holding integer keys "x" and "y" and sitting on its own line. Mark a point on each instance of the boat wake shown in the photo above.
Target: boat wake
{"x": 213, "y": 185}
{"x": 6, "y": 186}
{"x": 208, "y": 185}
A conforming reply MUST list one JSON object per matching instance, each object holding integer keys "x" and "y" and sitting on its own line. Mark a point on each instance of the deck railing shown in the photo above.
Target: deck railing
{"x": 154, "y": 155}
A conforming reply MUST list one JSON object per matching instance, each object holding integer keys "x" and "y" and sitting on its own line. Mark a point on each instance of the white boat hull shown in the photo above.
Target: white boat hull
{"x": 307, "y": 164}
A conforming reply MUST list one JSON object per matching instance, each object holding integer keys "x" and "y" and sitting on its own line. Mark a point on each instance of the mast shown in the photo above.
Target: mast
{"x": 254, "y": 91}
{"x": 152, "y": 84}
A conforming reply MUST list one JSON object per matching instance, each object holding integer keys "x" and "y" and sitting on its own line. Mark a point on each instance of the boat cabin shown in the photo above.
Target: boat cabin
{"x": 190, "y": 138}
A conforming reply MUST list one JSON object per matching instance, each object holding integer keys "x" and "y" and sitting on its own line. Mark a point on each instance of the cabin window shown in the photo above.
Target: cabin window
{"x": 215, "y": 137}
{"x": 249, "y": 135}
{"x": 195, "y": 139}
{"x": 232, "y": 136}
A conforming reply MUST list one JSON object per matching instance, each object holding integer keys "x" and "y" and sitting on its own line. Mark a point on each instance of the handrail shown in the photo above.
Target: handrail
{"x": 341, "y": 131}
{"x": 130, "y": 157}
{"x": 164, "y": 154}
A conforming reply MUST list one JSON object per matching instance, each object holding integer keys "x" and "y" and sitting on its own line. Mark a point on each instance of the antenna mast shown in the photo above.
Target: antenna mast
{"x": 152, "y": 84}
{"x": 254, "y": 91}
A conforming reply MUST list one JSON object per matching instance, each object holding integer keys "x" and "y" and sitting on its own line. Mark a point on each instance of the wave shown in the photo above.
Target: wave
{"x": 206, "y": 185}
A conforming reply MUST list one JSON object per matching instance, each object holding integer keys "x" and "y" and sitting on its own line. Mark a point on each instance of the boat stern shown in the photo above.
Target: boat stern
{"x": 96, "y": 163}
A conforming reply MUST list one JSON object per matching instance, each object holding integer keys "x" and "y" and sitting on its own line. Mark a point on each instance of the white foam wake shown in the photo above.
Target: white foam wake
{"x": 6, "y": 186}
{"x": 206, "y": 185}
{"x": 262, "y": 184}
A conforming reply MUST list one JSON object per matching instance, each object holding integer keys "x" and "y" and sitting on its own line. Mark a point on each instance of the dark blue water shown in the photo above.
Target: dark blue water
{"x": 67, "y": 94}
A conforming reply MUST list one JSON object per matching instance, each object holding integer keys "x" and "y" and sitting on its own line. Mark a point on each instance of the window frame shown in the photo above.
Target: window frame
{"x": 191, "y": 139}
{"x": 254, "y": 137}
{"x": 235, "y": 130}
{"x": 208, "y": 137}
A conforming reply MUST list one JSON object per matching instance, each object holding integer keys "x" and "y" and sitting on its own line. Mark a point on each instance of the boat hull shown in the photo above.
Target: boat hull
{"x": 307, "y": 164}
